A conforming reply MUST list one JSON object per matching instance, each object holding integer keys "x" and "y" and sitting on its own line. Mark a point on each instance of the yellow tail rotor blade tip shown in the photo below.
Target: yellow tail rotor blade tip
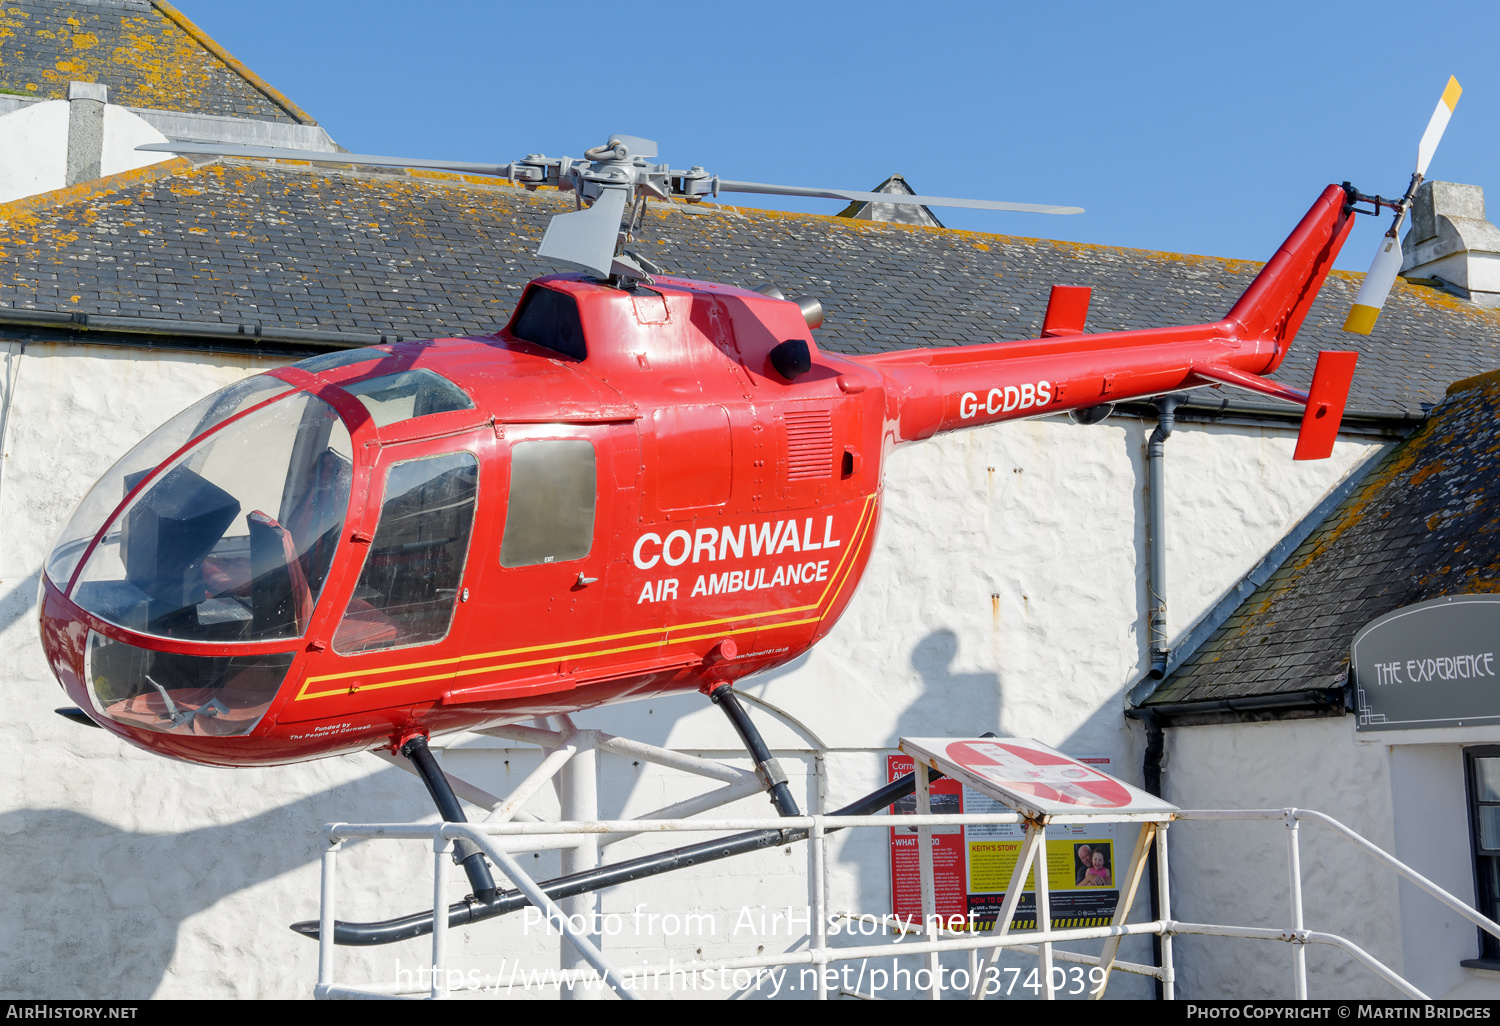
{"x": 1451, "y": 93}
{"x": 1361, "y": 320}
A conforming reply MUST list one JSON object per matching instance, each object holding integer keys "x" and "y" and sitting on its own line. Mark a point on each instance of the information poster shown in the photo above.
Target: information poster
{"x": 948, "y": 854}
{"x": 973, "y": 865}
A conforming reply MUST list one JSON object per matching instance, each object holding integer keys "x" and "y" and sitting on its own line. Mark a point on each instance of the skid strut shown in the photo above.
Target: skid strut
{"x": 766, "y": 767}
{"x": 462, "y": 913}
{"x": 466, "y": 853}
{"x": 478, "y": 908}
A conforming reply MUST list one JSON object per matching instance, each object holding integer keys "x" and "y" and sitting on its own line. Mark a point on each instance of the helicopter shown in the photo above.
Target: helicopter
{"x": 641, "y": 484}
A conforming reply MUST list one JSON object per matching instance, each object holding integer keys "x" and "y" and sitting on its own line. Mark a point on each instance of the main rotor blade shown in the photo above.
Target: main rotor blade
{"x": 231, "y": 150}
{"x": 586, "y": 239}
{"x": 889, "y": 197}
{"x": 1435, "y": 127}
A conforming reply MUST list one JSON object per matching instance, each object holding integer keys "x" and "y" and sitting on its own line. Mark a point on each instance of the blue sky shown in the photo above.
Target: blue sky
{"x": 1189, "y": 127}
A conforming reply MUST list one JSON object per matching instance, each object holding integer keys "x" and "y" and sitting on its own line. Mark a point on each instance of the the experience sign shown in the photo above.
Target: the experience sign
{"x": 1433, "y": 664}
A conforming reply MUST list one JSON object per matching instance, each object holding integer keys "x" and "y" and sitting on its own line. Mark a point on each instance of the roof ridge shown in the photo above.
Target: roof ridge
{"x": 203, "y": 39}
{"x": 96, "y": 187}
{"x": 1477, "y": 381}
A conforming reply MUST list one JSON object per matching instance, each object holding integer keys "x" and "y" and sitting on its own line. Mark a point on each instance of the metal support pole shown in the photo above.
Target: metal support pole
{"x": 1294, "y": 874}
{"x": 555, "y": 914}
{"x": 442, "y": 856}
{"x": 820, "y": 808}
{"x": 326, "y": 914}
{"x": 1044, "y": 911}
{"x": 927, "y": 876}
{"x": 819, "y": 905}
{"x": 579, "y": 792}
{"x": 1164, "y": 905}
{"x": 1013, "y": 892}
{"x": 538, "y": 778}
{"x": 1137, "y": 866}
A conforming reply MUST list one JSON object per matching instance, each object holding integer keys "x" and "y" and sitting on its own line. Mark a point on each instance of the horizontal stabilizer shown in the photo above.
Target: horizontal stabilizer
{"x": 1324, "y": 402}
{"x": 1325, "y": 405}
{"x": 1251, "y": 382}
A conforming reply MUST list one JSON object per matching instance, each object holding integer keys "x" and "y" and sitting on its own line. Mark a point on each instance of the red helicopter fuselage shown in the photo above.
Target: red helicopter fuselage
{"x": 617, "y": 496}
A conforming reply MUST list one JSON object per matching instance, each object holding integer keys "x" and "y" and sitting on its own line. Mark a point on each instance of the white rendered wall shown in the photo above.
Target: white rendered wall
{"x": 1409, "y": 797}
{"x": 1431, "y": 816}
{"x": 1236, "y": 873}
{"x": 1005, "y": 594}
{"x": 34, "y": 147}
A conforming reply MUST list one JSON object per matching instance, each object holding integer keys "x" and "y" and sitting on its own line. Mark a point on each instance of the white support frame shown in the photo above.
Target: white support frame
{"x": 508, "y": 830}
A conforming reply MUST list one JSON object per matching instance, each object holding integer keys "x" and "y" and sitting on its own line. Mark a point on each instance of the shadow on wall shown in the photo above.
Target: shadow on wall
{"x": 19, "y": 602}
{"x": 101, "y": 908}
{"x": 951, "y": 704}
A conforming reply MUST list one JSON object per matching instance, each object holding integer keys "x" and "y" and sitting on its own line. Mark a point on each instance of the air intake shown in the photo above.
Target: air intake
{"x": 809, "y": 444}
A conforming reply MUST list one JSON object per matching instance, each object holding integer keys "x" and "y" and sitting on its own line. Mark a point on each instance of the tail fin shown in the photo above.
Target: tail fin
{"x": 1325, "y": 405}
{"x": 1276, "y": 303}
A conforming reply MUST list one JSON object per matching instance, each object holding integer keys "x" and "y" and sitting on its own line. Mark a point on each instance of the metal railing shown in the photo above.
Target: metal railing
{"x": 499, "y": 839}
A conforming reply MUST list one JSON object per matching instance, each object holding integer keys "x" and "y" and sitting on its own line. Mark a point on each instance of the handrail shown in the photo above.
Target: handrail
{"x": 490, "y": 837}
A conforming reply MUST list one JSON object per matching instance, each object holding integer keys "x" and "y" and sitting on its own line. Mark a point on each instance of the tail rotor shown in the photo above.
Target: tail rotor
{"x": 1387, "y": 263}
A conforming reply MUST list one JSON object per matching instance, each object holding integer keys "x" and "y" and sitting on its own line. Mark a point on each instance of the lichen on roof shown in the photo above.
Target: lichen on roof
{"x": 430, "y": 253}
{"x": 148, "y": 54}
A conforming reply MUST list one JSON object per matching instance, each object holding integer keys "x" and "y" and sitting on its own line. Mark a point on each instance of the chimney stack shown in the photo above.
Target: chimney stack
{"x": 86, "y": 102}
{"x": 1450, "y": 240}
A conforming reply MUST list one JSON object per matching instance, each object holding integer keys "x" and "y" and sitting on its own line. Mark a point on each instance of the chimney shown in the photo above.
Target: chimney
{"x": 1451, "y": 241}
{"x": 900, "y": 213}
{"x": 86, "y": 102}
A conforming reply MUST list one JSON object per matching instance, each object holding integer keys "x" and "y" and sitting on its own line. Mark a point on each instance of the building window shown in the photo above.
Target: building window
{"x": 1482, "y": 768}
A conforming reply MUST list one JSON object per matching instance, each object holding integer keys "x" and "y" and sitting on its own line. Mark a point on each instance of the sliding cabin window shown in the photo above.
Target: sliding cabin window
{"x": 412, "y": 576}
{"x": 550, "y": 516}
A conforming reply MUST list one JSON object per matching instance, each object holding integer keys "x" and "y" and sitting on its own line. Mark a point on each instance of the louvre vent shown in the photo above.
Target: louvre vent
{"x": 809, "y": 444}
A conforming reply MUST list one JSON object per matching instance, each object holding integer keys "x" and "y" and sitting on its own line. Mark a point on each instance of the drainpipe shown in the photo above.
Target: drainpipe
{"x": 1156, "y": 531}
{"x": 1151, "y": 779}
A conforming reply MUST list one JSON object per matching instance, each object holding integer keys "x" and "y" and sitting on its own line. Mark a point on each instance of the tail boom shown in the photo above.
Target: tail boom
{"x": 945, "y": 389}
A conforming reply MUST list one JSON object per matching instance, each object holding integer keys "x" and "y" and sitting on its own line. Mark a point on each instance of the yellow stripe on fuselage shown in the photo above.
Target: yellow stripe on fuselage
{"x": 660, "y": 635}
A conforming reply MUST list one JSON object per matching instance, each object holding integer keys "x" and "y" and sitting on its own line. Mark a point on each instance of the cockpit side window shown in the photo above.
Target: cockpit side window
{"x": 549, "y": 319}
{"x": 550, "y": 516}
{"x": 411, "y": 578}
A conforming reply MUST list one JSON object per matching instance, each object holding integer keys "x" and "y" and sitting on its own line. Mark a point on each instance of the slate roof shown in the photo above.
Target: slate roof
{"x": 146, "y": 51}
{"x": 430, "y": 254}
{"x": 1423, "y": 524}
